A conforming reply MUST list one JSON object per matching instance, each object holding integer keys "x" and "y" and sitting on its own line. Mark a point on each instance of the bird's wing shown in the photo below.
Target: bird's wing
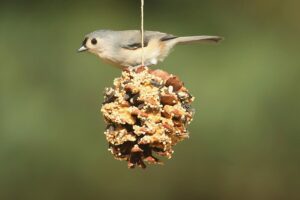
{"x": 168, "y": 37}
{"x": 132, "y": 39}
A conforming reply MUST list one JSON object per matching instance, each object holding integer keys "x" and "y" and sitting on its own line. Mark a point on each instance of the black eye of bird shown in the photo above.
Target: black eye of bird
{"x": 94, "y": 41}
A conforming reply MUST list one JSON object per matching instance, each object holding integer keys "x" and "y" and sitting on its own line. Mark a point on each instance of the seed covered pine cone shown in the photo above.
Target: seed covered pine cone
{"x": 146, "y": 111}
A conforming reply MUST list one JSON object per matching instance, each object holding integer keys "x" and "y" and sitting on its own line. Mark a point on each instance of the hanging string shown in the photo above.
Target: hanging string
{"x": 142, "y": 29}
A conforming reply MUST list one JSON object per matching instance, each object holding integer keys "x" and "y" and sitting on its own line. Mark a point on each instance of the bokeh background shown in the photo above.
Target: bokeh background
{"x": 244, "y": 140}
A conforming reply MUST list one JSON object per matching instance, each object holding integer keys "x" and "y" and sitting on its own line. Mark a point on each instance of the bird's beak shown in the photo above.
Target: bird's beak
{"x": 81, "y": 49}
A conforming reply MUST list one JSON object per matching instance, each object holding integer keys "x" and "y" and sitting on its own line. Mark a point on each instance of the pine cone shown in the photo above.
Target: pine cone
{"x": 146, "y": 111}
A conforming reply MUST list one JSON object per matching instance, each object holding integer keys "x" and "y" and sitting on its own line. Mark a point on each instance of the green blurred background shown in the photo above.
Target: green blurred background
{"x": 244, "y": 140}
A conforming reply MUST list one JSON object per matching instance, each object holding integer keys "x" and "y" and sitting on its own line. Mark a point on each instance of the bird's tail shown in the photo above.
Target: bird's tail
{"x": 198, "y": 39}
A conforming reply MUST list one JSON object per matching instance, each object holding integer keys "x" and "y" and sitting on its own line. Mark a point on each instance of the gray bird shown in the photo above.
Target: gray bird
{"x": 124, "y": 48}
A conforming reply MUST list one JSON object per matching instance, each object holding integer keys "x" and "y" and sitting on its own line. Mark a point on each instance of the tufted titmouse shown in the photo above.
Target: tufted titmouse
{"x": 124, "y": 49}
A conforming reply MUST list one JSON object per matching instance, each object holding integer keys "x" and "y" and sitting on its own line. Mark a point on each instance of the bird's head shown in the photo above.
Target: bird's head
{"x": 92, "y": 43}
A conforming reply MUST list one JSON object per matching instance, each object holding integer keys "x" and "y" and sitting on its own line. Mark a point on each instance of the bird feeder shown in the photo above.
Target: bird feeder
{"x": 147, "y": 112}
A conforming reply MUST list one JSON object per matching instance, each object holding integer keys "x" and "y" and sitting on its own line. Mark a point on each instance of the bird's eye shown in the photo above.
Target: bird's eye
{"x": 94, "y": 41}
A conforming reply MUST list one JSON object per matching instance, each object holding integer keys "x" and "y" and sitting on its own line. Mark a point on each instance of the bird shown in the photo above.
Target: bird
{"x": 124, "y": 48}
